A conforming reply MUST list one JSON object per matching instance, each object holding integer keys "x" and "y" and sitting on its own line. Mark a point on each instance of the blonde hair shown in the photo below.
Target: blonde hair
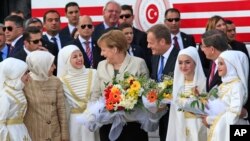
{"x": 114, "y": 38}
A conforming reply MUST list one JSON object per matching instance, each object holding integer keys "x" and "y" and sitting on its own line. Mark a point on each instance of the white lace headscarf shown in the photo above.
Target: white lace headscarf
{"x": 237, "y": 67}
{"x": 63, "y": 64}
{"x": 11, "y": 71}
{"x": 199, "y": 79}
{"x": 39, "y": 63}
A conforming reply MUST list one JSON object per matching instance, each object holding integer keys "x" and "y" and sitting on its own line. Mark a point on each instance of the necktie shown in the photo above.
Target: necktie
{"x": 176, "y": 44}
{"x": 11, "y": 48}
{"x": 160, "y": 70}
{"x": 211, "y": 76}
{"x": 89, "y": 52}
{"x": 1, "y": 57}
{"x": 55, "y": 42}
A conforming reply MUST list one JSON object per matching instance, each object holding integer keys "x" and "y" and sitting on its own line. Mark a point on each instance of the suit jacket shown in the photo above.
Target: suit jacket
{"x": 96, "y": 53}
{"x": 236, "y": 45}
{"x": 18, "y": 46}
{"x": 105, "y": 72}
{"x": 65, "y": 31}
{"x": 21, "y": 54}
{"x": 168, "y": 70}
{"x": 99, "y": 29}
{"x": 140, "y": 38}
{"x": 188, "y": 40}
{"x": 215, "y": 81}
{"x": 169, "y": 66}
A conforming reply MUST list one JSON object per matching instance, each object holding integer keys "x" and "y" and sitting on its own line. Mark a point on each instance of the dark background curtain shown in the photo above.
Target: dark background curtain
{"x": 6, "y": 6}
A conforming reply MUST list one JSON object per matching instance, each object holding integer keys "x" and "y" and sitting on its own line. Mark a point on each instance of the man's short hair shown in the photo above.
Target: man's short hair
{"x": 69, "y": 5}
{"x": 127, "y": 7}
{"x": 30, "y": 30}
{"x": 16, "y": 19}
{"x": 161, "y": 32}
{"x": 125, "y": 25}
{"x": 216, "y": 38}
{"x": 172, "y": 10}
{"x": 50, "y": 11}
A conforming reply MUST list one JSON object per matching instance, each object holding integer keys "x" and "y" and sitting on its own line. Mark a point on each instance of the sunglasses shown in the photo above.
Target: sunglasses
{"x": 86, "y": 25}
{"x": 126, "y": 16}
{"x": 36, "y": 41}
{"x": 9, "y": 28}
{"x": 173, "y": 19}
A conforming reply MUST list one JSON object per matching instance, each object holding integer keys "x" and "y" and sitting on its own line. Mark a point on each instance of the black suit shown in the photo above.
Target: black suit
{"x": 188, "y": 40}
{"x": 140, "y": 39}
{"x": 18, "y": 46}
{"x": 168, "y": 70}
{"x": 99, "y": 30}
{"x": 96, "y": 53}
{"x": 21, "y": 54}
{"x": 65, "y": 31}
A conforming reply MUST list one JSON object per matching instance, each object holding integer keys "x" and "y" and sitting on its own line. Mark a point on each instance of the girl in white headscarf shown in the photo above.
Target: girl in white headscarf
{"x": 13, "y": 104}
{"x": 78, "y": 85}
{"x": 233, "y": 69}
{"x": 46, "y": 115}
{"x": 188, "y": 74}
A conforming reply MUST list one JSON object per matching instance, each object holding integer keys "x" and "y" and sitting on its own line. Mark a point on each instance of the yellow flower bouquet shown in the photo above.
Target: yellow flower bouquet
{"x": 124, "y": 94}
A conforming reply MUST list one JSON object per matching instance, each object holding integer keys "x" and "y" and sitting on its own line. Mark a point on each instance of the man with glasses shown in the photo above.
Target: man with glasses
{"x": 111, "y": 13}
{"x": 32, "y": 41}
{"x": 35, "y": 22}
{"x": 72, "y": 12}
{"x": 3, "y": 46}
{"x": 172, "y": 21}
{"x": 13, "y": 29}
{"x": 91, "y": 52}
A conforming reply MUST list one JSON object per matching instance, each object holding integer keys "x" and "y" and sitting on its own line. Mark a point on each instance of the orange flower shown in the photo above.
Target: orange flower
{"x": 115, "y": 95}
{"x": 152, "y": 96}
{"x": 109, "y": 105}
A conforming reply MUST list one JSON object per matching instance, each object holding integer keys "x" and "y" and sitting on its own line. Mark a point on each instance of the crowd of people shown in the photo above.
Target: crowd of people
{"x": 48, "y": 75}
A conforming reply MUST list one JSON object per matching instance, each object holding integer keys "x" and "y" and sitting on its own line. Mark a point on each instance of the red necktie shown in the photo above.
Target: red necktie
{"x": 176, "y": 44}
{"x": 211, "y": 76}
{"x": 88, "y": 52}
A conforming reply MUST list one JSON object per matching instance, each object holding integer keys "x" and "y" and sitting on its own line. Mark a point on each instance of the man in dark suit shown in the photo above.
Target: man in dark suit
{"x": 32, "y": 41}
{"x": 52, "y": 23}
{"x": 172, "y": 21}
{"x": 164, "y": 53}
{"x": 35, "y": 22}
{"x": 111, "y": 13}
{"x": 91, "y": 52}
{"x": 231, "y": 35}
{"x": 13, "y": 29}
{"x": 72, "y": 12}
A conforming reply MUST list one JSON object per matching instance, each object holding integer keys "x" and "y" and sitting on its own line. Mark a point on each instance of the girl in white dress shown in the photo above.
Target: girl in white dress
{"x": 233, "y": 69}
{"x": 78, "y": 85}
{"x": 188, "y": 74}
{"x": 13, "y": 104}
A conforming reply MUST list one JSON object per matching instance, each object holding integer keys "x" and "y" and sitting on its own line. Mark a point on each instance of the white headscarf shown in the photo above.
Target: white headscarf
{"x": 39, "y": 63}
{"x": 199, "y": 79}
{"x": 63, "y": 64}
{"x": 11, "y": 71}
{"x": 237, "y": 66}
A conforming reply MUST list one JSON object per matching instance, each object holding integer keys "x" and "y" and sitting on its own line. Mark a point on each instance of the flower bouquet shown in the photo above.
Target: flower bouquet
{"x": 157, "y": 95}
{"x": 195, "y": 102}
{"x": 121, "y": 103}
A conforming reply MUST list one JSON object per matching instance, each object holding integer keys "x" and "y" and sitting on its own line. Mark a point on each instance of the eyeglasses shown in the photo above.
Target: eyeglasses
{"x": 86, "y": 25}
{"x": 9, "y": 28}
{"x": 173, "y": 19}
{"x": 36, "y": 41}
{"x": 126, "y": 16}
